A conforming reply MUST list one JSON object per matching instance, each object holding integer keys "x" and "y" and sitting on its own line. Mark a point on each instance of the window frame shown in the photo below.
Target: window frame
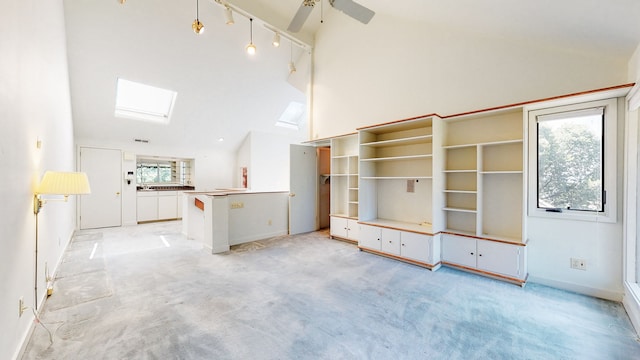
{"x": 609, "y": 162}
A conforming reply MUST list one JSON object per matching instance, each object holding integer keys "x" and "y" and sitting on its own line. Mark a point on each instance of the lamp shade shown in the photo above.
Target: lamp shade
{"x": 64, "y": 183}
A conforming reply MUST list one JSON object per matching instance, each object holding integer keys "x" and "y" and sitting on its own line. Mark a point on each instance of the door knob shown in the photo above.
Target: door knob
{"x": 292, "y": 194}
{"x": 118, "y": 193}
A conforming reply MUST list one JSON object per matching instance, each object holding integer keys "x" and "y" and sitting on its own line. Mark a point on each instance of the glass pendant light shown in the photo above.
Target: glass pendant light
{"x": 197, "y": 26}
{"x": 251, "y": 49}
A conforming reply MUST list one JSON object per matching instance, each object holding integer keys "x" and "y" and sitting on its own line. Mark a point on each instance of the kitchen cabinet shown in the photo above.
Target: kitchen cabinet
{"x": 156, "y": 205}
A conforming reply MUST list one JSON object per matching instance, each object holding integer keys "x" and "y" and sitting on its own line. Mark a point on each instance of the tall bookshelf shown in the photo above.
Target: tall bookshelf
{"x": 344, "y": 176}
{"x": 396, "y": 172}
{"x": 483, "y": 170}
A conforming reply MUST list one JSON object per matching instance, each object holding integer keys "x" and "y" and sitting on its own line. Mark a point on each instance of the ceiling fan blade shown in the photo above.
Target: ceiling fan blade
{"x": 353, "y": 9}
{"x": 300, "y": 17}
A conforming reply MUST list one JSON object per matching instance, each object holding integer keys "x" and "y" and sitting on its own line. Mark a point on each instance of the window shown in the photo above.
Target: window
{"x": 143, "y": 102}
{"x": 155, "y": 172}
{"x": 572, "y": 158}
{"x": 292, "y": 116}
{"x": 570, "y": 154}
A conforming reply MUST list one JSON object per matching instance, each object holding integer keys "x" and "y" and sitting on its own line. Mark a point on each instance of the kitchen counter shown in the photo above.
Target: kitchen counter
{"x": 166, "y": 188}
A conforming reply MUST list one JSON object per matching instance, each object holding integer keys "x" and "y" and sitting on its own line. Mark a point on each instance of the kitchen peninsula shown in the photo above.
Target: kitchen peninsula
{"x": 226, "y": 217}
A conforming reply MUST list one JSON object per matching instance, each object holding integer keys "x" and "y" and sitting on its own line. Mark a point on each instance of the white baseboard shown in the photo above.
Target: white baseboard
{"x": 580, "y": 289}
{"x": 631, "y": 304}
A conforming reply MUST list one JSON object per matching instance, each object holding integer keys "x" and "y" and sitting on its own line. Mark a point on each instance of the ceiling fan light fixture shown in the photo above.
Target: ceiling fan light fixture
{"x": 276, "y": 39}
{"x": 309, "y": 2}
{"x": 228, "y": 15}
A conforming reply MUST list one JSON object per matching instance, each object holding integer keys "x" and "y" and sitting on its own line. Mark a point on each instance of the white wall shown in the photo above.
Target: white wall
{"x": 267, "y": 158}
{"x": 391, "y": 69}
{"x": 213, "y": 168}
{"x": 34, "y": 104}
{"x": 632, "y": 257}
{"x": 394, "y": 69}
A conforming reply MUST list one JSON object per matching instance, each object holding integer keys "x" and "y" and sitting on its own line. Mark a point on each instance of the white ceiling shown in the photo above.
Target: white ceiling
{"x": 222, "y": 92}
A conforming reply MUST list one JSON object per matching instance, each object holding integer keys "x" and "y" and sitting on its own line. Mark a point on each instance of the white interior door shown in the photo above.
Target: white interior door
{"x": 103, "y": 207}
{"x": 302, "y": 189}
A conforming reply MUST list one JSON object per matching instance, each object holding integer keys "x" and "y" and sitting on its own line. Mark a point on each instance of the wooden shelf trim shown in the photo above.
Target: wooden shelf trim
{"x": 489, "y": 143}
{"x": 399, "y": 225}
{"x": 421, "y": 139}
{"x": 396, "y": 177}
{"x": 498, "y": 172}
{"x": 400, "y": 258}
{"x": 460, "y": 171}
{"x": 399, "y": 158}
{"x": 454, "y": 209}
{"x": 496, "y": 238}
{"x": 510, "y": 279}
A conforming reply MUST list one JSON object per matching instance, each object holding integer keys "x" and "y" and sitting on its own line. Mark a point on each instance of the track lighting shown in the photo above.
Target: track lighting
{"x": 251, "y": 49}
{"x": 197, "y": 26}
{"x": 228, "y": 15}
{"x": 276, "y": 39}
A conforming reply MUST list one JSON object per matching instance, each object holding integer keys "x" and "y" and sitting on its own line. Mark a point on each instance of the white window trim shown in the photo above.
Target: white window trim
{"x": 610, "y": 160}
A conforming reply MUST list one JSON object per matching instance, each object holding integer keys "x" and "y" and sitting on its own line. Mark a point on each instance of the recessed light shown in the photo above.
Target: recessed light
{"x": 221, "y": 139}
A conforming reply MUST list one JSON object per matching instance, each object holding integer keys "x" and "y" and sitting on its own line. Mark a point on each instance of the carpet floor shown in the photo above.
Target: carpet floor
{"x": 147, "y": 292}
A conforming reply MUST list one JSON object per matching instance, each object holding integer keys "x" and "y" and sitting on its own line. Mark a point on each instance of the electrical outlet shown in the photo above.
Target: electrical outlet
{"x": 21, "y": 308}
{"x": 578, "y": 264}
{"x": 237, "y": 205}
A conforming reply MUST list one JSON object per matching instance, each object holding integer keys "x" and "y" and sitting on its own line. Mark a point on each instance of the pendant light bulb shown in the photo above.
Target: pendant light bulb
{"x": 251, "y": 49}
{"x": 276, "y": 39}
{"x": 228, "y": 15}
{"x": 197, "y": 26}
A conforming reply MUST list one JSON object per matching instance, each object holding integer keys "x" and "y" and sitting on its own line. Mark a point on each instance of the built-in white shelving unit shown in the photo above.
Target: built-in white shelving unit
{"x": 396, "y": 186}
{"x": 483, "y": 187}
{"x": 344, "y": 187}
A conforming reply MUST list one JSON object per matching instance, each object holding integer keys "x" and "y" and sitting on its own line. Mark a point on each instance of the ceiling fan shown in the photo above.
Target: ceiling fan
{"x": 349, "y": 7}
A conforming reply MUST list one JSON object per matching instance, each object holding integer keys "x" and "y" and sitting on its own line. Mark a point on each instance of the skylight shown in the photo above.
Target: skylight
{"x": 144, "y": 102}
{"x": 292, "y": 116}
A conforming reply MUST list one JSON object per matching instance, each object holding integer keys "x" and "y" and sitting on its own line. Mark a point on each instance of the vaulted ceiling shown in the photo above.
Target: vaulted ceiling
{"x": 223, "y": 92}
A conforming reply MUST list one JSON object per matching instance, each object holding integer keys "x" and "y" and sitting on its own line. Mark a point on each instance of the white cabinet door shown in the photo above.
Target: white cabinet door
{"x": 339, "y": 227}
{"x": 369, "y": 237}
{"x": 459, "y": 250}
{"x": 353, "y": 229}
{"x": 167, "y": 206}
{"x": 500, "y": 258}
{"x": 179, "y": 199}
{"x": 415, "y": 246}
{"x": 147, "y": 208}
{"x": 390, "y": 241}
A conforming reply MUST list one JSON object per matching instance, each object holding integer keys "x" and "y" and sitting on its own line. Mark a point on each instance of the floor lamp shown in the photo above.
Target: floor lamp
{"x": 56, "y": 183}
